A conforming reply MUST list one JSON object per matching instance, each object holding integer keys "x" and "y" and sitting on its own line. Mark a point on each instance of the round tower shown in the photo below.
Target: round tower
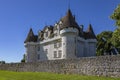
{"x": 69, "y": 32}
{"x": 69, "y": 42}
{"x": 30, "y": 45}
{"x": 91, "y": 42}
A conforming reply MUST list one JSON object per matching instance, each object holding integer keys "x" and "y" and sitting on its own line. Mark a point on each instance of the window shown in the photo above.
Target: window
{"x": 38, "y": 56}
{"x": 46, "y": 51}
{"x": 55, "y": 54}
{"x": 59, "y": 54}
{"x": 55, "y": 45}
{"x": 46, "y": 34}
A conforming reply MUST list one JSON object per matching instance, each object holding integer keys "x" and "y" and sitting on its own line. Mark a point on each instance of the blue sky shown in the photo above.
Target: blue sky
{"x": 18, "y": 16}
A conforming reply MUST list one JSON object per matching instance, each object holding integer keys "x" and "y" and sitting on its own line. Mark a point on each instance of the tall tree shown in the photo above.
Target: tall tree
{"x": 104, "y": 41}
{"x": 23, "y": 60}
{"x": 116, "y": 34}
{"x": 116, "y": 38}
{"x": 116, "y": 16}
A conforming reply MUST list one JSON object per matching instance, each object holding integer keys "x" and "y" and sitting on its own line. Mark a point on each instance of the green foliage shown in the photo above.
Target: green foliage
{"x": 23, "y": 60}
{"x": 103, "y": 46}
{"x": 8, "y": 75}
{"x": 116, "y": 38}
{"x": 116, "y": 34}
{"x": 116, "y": 16}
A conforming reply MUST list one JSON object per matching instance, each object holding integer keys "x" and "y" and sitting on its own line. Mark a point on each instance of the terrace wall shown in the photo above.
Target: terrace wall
{"x": 100, "y": 66}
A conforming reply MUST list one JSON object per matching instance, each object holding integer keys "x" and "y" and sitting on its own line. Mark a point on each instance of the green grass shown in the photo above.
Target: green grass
{"x": 8, "y": 75}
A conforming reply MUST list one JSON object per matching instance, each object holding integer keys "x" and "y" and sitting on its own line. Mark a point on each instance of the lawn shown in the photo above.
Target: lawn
{"x": 8, "y": 75}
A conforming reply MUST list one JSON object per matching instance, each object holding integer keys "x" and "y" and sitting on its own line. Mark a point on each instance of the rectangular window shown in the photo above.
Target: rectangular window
{"x": 59, "y": 54}
{"x": 55, "y": 54}
{"x": 55, "y": 45}
{"x": 46, "y": 34}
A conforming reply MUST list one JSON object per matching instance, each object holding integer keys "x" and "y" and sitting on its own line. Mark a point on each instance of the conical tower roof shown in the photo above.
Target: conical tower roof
{"x": 69, "y": 20}
{"x": 90, "y": 29}
{"x": 31, "y": 37}
{"x": 91, "y": 34}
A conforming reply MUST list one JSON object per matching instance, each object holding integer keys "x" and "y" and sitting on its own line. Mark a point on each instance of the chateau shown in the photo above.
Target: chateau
{"x": 65, "y": 40}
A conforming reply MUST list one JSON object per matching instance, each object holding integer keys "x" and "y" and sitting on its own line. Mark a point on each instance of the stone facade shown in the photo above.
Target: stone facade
{"x": 65, "y": 40}
{"x": 100, "y": 66}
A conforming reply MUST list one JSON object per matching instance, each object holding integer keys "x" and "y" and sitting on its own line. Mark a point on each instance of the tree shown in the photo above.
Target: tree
{"x": 116, "y": 16}
{"x": 23, "y": 60}
{"x": 116, "y": 34}
{"x": 104, "y": 42}
{"x": 116, "y": 38}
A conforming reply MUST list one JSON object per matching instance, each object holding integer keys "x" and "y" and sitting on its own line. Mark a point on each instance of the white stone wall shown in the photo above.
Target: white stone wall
{"x": 80, "y": 49}
{"x": 69, "y": 36}
{"x": 31, "y": 53}
{"x": 47, "y": 50}
{"x": 64, "y": 49}
{"x": 70, "y": 45}
{"x": 91, "y": 47}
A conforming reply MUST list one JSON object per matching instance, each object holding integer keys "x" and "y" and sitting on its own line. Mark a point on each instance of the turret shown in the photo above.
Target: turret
{"x": 30, "y": 46}
{"x": 69, "y": 32}
{"x": 91, "y": 41}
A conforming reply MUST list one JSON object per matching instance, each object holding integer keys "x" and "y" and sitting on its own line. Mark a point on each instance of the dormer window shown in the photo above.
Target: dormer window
{"x": 46, "y": 34}
{"x": 57, "y": 44}
{"x": 60, "y": 22}
{"x": 56, "y": 24}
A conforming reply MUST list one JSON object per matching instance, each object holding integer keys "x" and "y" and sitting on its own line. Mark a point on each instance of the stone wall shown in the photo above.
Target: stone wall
{"x": 100, "y": 66}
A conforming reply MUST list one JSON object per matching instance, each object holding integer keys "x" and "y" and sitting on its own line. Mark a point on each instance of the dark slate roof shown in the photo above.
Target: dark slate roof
{"x": 31, "y": 37}
{"x": 49, "y": 28}
{"x": 89, "y": 34}
{"x": 69, "y": 20}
